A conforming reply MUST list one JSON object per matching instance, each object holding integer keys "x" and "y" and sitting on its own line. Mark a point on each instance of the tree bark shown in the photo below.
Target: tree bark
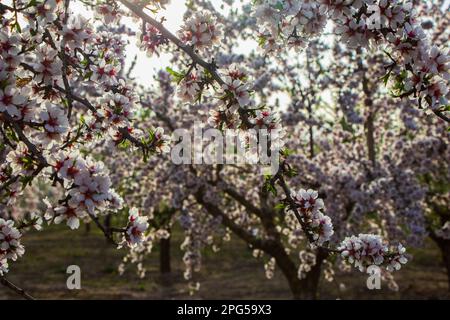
{"x": 368, "y": 103}
{"x": 311, "y": 282}
{"x": 302, "y": 289}
{"x": 309, "y": 107}
{"x": 446, "y": 257}
{"x": 108, "y": 224}
{"x": 164, "y": 256}
{"x": 444, "y": 246}
{"x": 87, "y": 227}
{"x": 370, "y": 134}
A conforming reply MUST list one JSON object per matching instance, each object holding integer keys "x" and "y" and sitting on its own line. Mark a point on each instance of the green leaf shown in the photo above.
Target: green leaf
{"x": 177, "y": 76}
{"x": 385, "y": 78}
{"x": 287, "y": 152}
{"x": 291, "y": 172}
{"x": 261, "y": 41}
{"x": 268, "y": 186}
{"x": 346, "y": 126}
{"x": 280, "y": 206}
{"x": 18, "y": 28}
{"x": 279, "y": 5}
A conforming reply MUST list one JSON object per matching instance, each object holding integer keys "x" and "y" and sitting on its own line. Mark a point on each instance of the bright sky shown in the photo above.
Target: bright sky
{"x": 147, "y": 67}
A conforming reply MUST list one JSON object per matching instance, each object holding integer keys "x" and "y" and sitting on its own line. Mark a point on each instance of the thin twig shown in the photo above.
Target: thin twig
{"x": 15, "y": 288}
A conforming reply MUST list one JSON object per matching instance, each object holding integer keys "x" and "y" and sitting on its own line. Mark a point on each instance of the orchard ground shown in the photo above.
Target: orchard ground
{"x": 42, "y": 272}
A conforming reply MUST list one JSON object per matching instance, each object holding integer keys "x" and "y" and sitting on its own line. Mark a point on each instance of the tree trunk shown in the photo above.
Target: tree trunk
{"x": 301, "y": 289}
{"x": 87, "y": 227}
{"x": 108, "y": 222}
{"x": 304, "y": 289}
{"x": 446, "y": 258}
{"x": 368, "y": 103}
{"x": 444, "y": 246}
{"x": 370, "y": 135}
{"x": 311, "y": 282}
{"x": 164, "y": 256}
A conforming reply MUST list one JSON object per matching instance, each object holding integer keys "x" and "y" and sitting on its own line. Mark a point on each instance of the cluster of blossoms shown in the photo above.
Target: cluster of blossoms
{"x": 201, "y": 31}
{"x": 109, "y": 12}
{"x": 88, "y": 189}
{"x": 419, "y": 69}
{"x": 3, "y": 267}
{"x": 310, "y": 205}
{"x": 151, "y": 40}
{"x": 234, "y": 78}
{"x": 117, "y": 110}
{"x": 140, "y": 236}
{"x": 76, "y": 32}
{"x": 10, "y": 247}
{"x": 55, "y": 124}
{"x": 106, "y": 73}
{"x": 60, "y": 86}
{"x": 137, "y": 225}
{"x": 367, "y": 249}
{"x": 161, "y": 140}
{"x": 20, "y": 160}
{"x": 265, "y": 119}
{"x": 45, "y": 71}
{"x": 12, "y": 101}
{"x": 189, "y": 87}
{"x": 47, "y": 66}
{"x": 44, "y": 11}
{"x": 234, "y": 98}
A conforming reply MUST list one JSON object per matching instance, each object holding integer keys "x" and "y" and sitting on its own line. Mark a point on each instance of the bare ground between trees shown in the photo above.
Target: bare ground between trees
{"x": 230, "y": 274}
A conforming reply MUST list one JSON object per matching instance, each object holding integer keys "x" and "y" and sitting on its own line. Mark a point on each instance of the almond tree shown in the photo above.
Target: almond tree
{"x": 61, "y": 92}
{"x": 300, "y": 288}
{"x": 63, "y": 98}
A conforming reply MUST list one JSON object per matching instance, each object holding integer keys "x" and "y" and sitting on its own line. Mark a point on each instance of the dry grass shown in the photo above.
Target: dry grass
{"x": 231, "y": 274}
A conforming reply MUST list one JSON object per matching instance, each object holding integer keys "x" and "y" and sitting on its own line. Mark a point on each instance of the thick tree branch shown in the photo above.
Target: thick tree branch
{"x": 31, "y": 147}
{"x": 226, "y": 221}
{"x": 243, "y": 201}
